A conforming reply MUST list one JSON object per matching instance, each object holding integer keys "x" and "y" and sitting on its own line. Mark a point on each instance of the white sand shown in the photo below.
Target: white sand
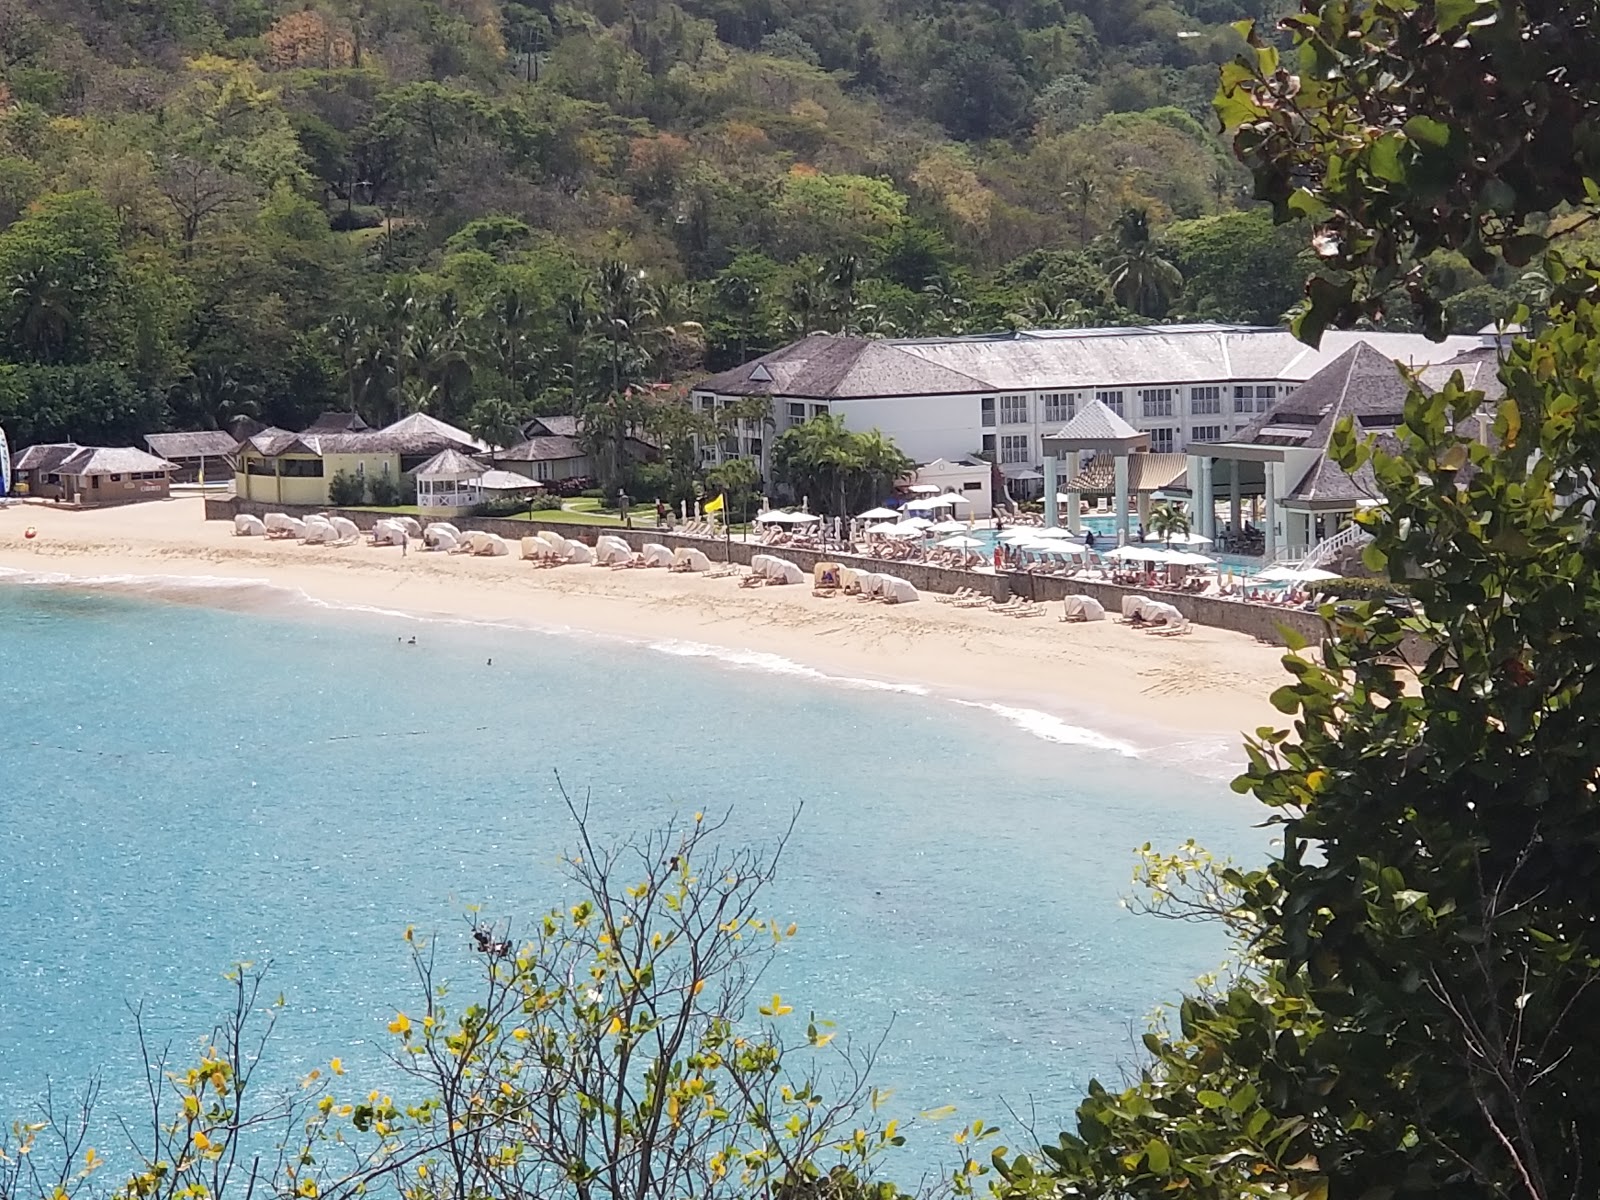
{"x": 1137, "y": 686}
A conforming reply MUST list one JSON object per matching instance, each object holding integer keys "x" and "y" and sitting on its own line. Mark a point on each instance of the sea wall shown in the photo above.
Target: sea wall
{"x": 1264, "y": 622}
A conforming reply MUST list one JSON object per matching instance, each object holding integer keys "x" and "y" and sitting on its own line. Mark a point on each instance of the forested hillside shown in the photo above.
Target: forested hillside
{"x": 484, "y": 209}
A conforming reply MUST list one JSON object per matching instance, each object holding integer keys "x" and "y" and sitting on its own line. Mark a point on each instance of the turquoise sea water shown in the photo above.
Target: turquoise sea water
{"x": 183, "y": 785}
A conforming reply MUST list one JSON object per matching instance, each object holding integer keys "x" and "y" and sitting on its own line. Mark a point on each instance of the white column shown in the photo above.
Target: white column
{"x": 1233, "y": 498}
{"x": 1208, "y": 512}
{"x": 1120, "y": 475}
{"x": 1191, "y": 475}
{"x": 1074, "y": 499}
{"x": 1052, "y": 517}
{"x": 1269, "y": 516}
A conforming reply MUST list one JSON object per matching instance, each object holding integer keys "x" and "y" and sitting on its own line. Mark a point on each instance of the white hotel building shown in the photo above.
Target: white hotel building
{"x": 1000, "y": 395}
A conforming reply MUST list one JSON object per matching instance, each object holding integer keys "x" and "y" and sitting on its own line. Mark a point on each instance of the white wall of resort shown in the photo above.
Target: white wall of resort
{"x": 924, "y": 427}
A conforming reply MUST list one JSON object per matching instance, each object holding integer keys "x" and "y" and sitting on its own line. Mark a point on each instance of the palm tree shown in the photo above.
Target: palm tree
{"x": 842, "y": 276}
{"x": 1168, "y": 521}
{"x": 348, "y": 336}
{"x": 506, "y": 322}
{"x": 495, "y": 422}
{"x": 803, "y": 303}
{"x": 575, "y": 320}
{"x": 44, "y": 310}
{"x": 739, "y": 295}
{"x": 1137, "y": 277}
{"x": 1081, "y": 195}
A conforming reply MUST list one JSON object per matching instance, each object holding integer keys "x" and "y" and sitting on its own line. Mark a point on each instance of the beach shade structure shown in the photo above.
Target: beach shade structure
{"x": 948, "y": 527}
{"x": 1019, "y": 537}
{"x": 960, "y": 542}
{"x": 1147, "y": 554}
{"x": 884, "y": 530}
{"x": 916, "y": 523}
{"x": 345, "y": 528}
{"x": 951, "y": 500}
{"x": 1055, "y": 533}
{"x": 895, "y": 590}
{"x": 443, "y": 527}
{"x": 878, "y": 514}
{"x": 441, "y": 540}
{"x": 1083, "y": 608}
{"x": 778, "y": 517}
{"x": 922, "y": 504}
{"x": 411, "y": 524}
{"x": 504, "y": 483}
{"x": 281, "y": 525}
{"x": 318, "y": 531}
{"x": 1187, "y": 558}
{"x": 925, "y": 489}
{"x": 579, "y": 552}
{"x": 687, "y": 558}
{"x": 908, "y": 529}
{"x": 656, "y": 555}
{"x": 245, "y": 525}
{"x": 389, "y": 533}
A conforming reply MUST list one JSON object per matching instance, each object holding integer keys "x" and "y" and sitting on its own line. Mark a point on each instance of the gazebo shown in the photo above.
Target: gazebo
{"x": 1096, "y": 428}
{"x": 450, "y": 482}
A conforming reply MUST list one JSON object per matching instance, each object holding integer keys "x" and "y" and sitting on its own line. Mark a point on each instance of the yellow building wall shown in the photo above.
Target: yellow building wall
{"x": 311, "y": 489}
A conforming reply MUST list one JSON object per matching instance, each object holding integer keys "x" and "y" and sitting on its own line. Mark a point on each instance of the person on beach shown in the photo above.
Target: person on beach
{"x": 1088, "y": 539}
{"x": 622, "y": 509}
{"x": 661, "y": 514}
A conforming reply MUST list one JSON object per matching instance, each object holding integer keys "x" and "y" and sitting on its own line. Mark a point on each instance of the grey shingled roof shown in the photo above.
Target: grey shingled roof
{"x": 416, "y": 434}
{"x": 1480, "y": 371}
{"x": 450, "y": 464}
{"x": 112, "y": 460}
{"x": 1096, "y": 422}
{"x": 46, "y": 456}
{"x": 826, "y": 367}
{"x": 208, "y": 443}
{"x": 337, "y": 422}
{"x": 421, "y": 430}
{"x": 542, "y": 449}
{"x": 554, "y": 426}
{"x": 1361, "y": 383}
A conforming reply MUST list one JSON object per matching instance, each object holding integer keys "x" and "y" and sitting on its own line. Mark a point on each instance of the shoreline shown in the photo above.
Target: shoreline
{"x": 1102, "y": 677}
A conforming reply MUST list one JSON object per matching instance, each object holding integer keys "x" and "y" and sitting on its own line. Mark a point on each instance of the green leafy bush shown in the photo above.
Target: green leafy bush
{"x": 385, "y": 491}
{"x": 345, "y": 491}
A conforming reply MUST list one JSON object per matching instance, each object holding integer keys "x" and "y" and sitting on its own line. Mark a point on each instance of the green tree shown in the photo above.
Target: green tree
{"x": 1137, "y": 277}
{"x": 838, "y": 470}
{"x": 1238, "y": 266}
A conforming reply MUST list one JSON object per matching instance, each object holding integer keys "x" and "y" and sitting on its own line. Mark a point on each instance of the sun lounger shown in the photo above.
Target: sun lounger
{"x": 246, "y": 525}
{"x": 656, "y": 555}
{"x": 1083, "y": 608}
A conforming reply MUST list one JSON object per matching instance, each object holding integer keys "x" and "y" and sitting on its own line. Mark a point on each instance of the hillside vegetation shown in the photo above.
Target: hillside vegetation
{"x": 485, "y": 209}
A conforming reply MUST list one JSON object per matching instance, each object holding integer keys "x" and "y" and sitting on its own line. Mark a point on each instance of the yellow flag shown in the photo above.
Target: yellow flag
{"x": 717, "y": 505}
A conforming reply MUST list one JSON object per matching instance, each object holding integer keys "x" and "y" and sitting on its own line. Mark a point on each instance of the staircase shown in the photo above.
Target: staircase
{"x": 1329, "y": 549}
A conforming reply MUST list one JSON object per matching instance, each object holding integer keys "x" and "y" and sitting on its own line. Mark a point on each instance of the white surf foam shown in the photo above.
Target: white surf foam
{"x": 1051, "y": 728}
{"x": 756, "y": 660}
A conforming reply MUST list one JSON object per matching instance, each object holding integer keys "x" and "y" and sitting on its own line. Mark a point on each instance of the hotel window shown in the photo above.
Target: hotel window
{"x": 1013, "y": 410}
{"x": 1206, "y": 433}
{"x": 986, "y": 411}
{"x": 1155, "y": 402}
{"x": 1205, "y": 401}
{"x": 708, "y": 404}
{"x": 1059, "y": 407}
{"x": 797, "y": 414}
{"x": 754, "y": 445}
{"x": 1161, "y": 441}
{"x": 988, "y": 446}
{"x": 1112, "y": 400}
{"x": 1266, "y": 393}
{"x": 818, "y": 410}
{"x": 1014, "y": 448}
{"x": 1244, "y": 398}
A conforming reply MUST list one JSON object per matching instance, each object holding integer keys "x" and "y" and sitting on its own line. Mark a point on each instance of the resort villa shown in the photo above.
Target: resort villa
{"x": 195, "y": 455}
{"x": 298, "y": 468}
{"x": 91, "y": 476}
{"x": 1000, "y": 396}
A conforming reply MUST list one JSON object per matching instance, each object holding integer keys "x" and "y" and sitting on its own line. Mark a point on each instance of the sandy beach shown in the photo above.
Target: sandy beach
{"x": 1144, "y": 689}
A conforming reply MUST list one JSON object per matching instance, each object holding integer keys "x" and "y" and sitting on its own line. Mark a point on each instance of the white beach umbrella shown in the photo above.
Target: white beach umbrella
{"x": 882, "y": 530}
{"x": 1055, "y": 533}
{"x": 1188, "y": 539}
{"x": 772, "y": 517}
{"x": 960, "y": 542}
{"x": 948, "y": 527}
{"x": 918, "y": 523}
{"x": 926, "y": 504}
{"x": 950, "y": 499}
{"x": 925, "y": 489}
{"x": 1019, "y": 537}
{"x": 1186, "y": 558}
{"x": 879, "y": 514}
{"x": 903, "y": 530}
{"x": 1137, "y": 554}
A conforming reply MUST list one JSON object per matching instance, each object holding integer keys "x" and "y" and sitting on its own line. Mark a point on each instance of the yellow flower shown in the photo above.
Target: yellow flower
{"x": 401, "y": 1024}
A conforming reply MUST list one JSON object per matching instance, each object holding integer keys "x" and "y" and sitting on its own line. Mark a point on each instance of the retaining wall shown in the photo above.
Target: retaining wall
{"x": 1262, "y": 621}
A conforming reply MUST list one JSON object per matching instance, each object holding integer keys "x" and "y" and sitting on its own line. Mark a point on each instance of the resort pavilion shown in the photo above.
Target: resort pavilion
{"x": 1282, "y": 456}
{"x": 1098, "y": 429}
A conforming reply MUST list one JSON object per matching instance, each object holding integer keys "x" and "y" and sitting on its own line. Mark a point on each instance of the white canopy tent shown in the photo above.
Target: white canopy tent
{"x": 878, "y": 514}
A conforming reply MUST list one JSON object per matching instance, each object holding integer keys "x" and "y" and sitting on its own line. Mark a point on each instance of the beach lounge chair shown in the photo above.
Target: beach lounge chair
{"x": 245, "y": 525}
{"x": 347, "y": 529}
{"x": 318, "y": 530}
{"x": 389, "y": 533}
{"x": 657, "y": 555}
{"x": 579, "y": 552}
